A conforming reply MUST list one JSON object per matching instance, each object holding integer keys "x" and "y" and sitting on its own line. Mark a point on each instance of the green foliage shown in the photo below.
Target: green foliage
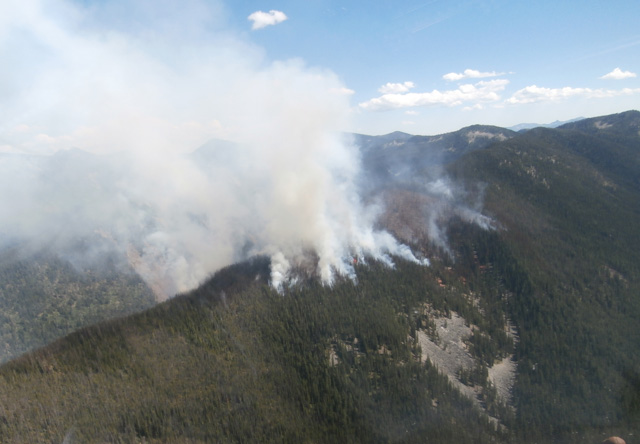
{"x": 43, "y": 297}
{"x": 476, "y": 376}
{"x": 568, "y": 254}
{"x": 235, "y": 361}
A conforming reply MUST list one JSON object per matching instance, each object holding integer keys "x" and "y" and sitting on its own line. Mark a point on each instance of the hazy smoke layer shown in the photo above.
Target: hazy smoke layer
{"x": 135, "y": 100}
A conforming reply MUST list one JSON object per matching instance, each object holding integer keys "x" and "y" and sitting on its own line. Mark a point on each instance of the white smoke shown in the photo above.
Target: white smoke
{"x": 451, "y": 200}
{"x": 139, "y": 98}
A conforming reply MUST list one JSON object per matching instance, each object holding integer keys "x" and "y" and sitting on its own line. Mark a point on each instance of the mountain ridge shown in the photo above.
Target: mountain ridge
{"x": 555, "y": 124}
{"x": 234, "y": 360}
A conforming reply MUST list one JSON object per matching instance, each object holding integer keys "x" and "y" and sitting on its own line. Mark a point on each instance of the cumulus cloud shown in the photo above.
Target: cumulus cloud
{"x": 470, "y": 74}
{"x": 135, "y": 98}
{"x": 533, "y": 93}
{"x": 396, "y": 88}
{"x": 483, "y": 91}
{"x": 262, "y": 19}
{"x": 618, "y": 74}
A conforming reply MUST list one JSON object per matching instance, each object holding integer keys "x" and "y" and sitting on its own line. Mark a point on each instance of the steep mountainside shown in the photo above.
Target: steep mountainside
{"x": 234, "y": 361}
{"x": 522, "y": 329}
{"x": 566, "y": 203}
{"x": 403, "y": 158}
{"x": 44, "y": 297}
{"x": 569, "y": 204}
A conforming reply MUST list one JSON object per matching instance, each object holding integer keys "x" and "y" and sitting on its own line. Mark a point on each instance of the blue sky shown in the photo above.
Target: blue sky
{"x": 548, "y": 44}
{"x": 100, "y": 74}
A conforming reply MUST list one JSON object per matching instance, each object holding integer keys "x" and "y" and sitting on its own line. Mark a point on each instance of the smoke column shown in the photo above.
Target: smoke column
{"x": 99, "y": 121}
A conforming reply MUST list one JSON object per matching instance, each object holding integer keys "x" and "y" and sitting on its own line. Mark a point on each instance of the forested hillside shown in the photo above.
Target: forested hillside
{"x": 236, "y": 361}
{"x": 569, "y": 248}
{"x": 44, "y": 297}
{"x": 400, "y": 158}
{"x": 544, "y": 277}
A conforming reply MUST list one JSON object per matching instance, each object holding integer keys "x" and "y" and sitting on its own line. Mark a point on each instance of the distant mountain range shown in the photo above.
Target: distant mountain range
{"x": 524, "y": 328}
{"x": 555, "y": 124}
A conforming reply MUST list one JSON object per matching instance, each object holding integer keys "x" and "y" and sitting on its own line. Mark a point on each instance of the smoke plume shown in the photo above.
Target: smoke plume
{"x": 103, "y": 106}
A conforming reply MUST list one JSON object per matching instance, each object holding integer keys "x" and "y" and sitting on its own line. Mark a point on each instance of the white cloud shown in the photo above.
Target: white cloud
{"x": 470, "y": 74}
{"x": 262, "y": 19}
{"x": 411, "y": 113}
{"x": 618, "y": 74}
{"x": 342, "y": 91}
{"x": 533, "y": 93}
{"x": 477, "y": 106}
{"x": 483, "y": 91}
{"x": 396, "y": 88}
{"x": 21, "y": 128}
